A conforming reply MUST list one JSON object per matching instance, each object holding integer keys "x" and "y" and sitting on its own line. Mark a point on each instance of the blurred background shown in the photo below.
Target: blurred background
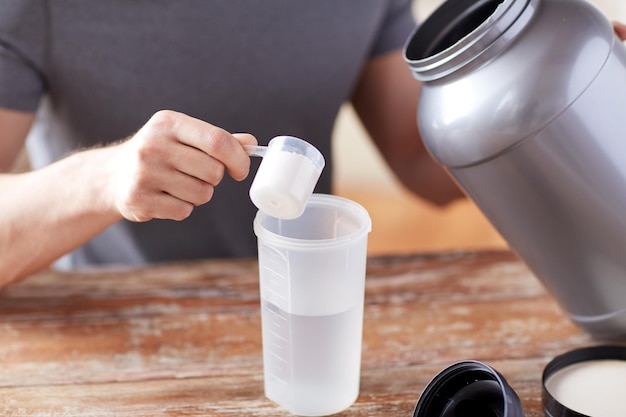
{"x": 400, "y": 221}
{"x": 403, "y": 223}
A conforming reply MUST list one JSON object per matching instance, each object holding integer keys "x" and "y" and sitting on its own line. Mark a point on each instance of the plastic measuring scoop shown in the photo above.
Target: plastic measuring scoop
{"x": 286, "y": 177}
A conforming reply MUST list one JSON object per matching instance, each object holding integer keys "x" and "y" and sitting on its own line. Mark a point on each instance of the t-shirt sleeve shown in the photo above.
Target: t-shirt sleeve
{"x": 398, "y": 24}
{"x": 22, "y": 43}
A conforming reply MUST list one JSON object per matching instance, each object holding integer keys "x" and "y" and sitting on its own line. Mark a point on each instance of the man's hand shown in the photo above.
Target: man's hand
{"x": 172, "y": 164}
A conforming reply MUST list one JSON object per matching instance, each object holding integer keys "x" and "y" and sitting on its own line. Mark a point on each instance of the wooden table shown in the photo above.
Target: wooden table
{"x": 185, "y": 339}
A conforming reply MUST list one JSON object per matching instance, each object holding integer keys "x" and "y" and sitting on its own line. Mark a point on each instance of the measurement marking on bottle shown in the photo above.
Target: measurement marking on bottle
{"x": 279, "y": 336}
{"x": 273, "y": 376}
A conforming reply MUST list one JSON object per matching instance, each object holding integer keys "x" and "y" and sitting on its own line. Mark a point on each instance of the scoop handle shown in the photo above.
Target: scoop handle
{"x": 255, "y": 150}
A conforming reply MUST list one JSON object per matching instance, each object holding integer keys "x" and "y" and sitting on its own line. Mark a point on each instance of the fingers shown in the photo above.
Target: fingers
{"x": 620, "y": 30}
{"x": 174, "y": 163}
{"x": 213, "y": 141}
{"x": 158, "y": 206}
{"x": 195, "y": 163}
{"x": 188, "y": 189}
{"x": 245, "y": 138}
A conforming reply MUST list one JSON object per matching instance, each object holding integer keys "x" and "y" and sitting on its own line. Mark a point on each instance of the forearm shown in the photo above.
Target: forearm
{"x": 426, "y": 178}
{"x": 49, "y": 212}
{"x": 386, "y": 101}
{"x": 171, "y": 165}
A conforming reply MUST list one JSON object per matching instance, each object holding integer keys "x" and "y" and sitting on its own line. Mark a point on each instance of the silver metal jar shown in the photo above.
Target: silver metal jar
{"x": 524, "y": 102}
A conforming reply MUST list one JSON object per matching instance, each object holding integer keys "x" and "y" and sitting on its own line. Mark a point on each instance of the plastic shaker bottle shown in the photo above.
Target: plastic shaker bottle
{"x": 312, "y": 277}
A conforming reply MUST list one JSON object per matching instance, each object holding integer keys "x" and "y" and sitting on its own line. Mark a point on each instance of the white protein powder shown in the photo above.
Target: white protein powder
{"x": 283, "y": 184}
{"x": 594, "y": 388}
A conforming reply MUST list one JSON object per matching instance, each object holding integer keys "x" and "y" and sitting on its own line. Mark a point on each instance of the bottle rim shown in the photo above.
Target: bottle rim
{"x": 472, "y": 46}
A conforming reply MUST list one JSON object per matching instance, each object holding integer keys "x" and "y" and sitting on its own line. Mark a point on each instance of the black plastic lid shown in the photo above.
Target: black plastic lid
{"x": 468, "y": 389}
{"x": 552, "y": 407}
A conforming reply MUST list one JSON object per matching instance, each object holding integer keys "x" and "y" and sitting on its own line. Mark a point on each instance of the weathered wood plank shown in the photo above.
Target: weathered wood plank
{"x": 184, "y": 339}
{"x": 384, "y": 391}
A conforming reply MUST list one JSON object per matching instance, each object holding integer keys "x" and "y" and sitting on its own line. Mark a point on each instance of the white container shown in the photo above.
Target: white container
{"x": 312, "y": 278}
{"x": 286, "y": 177}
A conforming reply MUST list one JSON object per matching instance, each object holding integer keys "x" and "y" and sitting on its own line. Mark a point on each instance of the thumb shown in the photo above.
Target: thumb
{"x": 246, "y": 138}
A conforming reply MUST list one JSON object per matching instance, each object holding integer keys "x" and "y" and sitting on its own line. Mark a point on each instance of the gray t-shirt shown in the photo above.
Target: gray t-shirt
{"x": 96, "y": 70}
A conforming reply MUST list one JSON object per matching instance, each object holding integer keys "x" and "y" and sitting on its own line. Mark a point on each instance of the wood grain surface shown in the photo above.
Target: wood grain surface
{"x": 185, "y": 339}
